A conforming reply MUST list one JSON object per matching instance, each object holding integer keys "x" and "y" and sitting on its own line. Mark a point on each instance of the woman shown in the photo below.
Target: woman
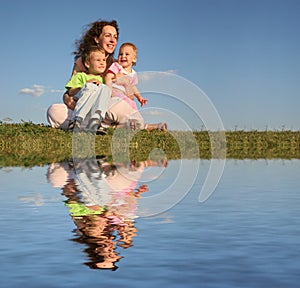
{"x": 103, "y": 33}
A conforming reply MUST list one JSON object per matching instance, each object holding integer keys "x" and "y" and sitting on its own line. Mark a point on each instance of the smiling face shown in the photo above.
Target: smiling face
{"x": 127, "y": 56}
{"x": 108, "y": 39}
{"x": 96, "y": 62}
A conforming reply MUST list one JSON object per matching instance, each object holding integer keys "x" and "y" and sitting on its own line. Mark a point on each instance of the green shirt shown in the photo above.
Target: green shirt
{"x": 79, "y": 79}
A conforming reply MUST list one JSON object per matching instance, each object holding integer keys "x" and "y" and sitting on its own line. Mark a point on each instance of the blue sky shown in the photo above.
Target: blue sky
{"x": 244, "y": 55}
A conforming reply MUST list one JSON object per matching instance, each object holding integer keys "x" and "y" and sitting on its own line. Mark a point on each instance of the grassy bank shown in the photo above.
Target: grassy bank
{"x": 28, "y": 144}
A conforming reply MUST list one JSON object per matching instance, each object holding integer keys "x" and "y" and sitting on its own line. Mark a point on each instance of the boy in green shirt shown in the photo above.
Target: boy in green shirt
{"x": 88, "y": 90}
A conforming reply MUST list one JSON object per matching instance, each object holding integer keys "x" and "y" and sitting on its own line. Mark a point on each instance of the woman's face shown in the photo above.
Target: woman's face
{"x": 108, "y": 39}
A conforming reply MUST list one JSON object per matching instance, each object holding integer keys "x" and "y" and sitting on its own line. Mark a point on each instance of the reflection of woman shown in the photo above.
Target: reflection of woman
{"x": 103, "y": 221}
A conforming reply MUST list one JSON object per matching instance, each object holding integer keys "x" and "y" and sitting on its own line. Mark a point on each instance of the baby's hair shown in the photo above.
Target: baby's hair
{"x": 88, "y": 51}
{"x": 132, "y": 46}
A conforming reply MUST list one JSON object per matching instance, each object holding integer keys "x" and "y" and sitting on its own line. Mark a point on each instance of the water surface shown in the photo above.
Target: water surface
{"x": 245, "y": 235}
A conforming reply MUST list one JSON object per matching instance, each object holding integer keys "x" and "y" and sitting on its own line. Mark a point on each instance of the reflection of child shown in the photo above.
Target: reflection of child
{"x": 102, "y": 212}
{"x": 88, "y": 89}
{"x": 122, "y": 78}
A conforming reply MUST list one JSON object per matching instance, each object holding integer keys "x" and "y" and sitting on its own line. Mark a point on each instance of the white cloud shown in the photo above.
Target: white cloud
{"x": 38, "y": 90}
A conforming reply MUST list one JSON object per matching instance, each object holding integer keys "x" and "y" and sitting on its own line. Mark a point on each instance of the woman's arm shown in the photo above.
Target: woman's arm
{"x": 75, "y": 69}
{"x": 78, "y": 66}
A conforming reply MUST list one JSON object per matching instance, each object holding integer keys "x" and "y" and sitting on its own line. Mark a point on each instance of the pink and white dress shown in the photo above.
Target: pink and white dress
{"x": 122, "y": 87}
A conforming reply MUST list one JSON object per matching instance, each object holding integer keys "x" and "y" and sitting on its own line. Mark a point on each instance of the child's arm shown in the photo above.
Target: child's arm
{"x": 111, "y": 74}
{"x": 119, "y": 79}
{"x": 94, "y": 81}
{"x": 70, "y": 99}
{"x": 69, "y": 96}
{"x": 109, "y": 78}
{"x": 138, "y": 96}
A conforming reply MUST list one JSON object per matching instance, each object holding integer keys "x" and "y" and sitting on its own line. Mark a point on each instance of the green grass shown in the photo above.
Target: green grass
{"x": 27, "y": 144}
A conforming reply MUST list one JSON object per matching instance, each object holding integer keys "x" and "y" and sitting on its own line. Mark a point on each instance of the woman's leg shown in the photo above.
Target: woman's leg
{"x": 120, "y": 113}
{"x": 59, "y": 115}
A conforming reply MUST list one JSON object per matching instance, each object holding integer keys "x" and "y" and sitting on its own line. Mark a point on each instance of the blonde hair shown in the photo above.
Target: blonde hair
{"x": 132, "y": 46}
{"x": 86, "y": 54}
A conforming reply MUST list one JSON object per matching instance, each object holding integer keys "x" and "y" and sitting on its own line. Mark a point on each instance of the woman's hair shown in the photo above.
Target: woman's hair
{"x": 92, "y": 31}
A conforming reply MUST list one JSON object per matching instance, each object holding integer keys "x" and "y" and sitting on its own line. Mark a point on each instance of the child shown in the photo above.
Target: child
{"x": 88, "y": 90}
{"x": 122, "y": 78}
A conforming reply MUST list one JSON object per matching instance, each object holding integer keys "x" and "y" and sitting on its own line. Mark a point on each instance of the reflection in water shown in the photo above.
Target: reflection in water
{"x": 102, "y": 200}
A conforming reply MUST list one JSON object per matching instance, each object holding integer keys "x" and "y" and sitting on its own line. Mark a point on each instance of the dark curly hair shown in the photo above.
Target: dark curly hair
{"x": 92, "y": 31}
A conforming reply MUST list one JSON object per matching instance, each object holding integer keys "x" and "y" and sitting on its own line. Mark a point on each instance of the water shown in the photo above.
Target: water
{"x": 247, "y": 234}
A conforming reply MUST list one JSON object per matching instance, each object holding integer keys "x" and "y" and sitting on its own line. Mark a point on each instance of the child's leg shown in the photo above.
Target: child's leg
{"x": 99, "y": 100}
{"x": 102, "y": 100}
{"x": 86, "y": 101}
{"x": 121, "y": 95}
